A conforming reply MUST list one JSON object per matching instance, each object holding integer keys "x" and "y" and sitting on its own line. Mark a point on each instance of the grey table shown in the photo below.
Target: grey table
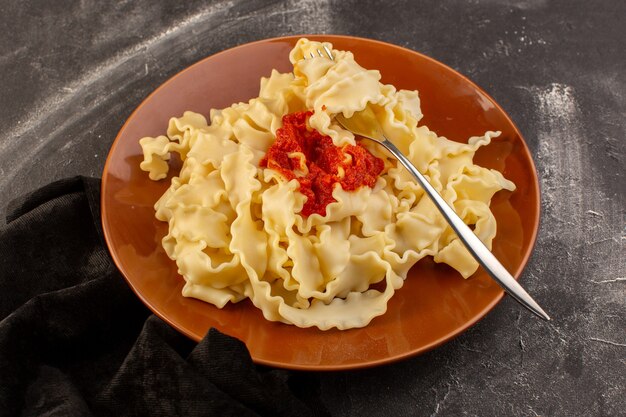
{"x": 72, "y": 72}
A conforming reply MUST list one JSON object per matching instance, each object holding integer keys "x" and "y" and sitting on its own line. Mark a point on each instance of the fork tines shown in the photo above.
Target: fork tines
{"x": 326, "y": 49}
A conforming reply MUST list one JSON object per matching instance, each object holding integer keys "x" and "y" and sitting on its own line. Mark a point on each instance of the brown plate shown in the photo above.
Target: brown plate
{"x": 434, "y": 305}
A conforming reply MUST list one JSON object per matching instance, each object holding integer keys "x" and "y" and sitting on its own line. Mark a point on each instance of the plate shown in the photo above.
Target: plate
{"x": 434, "y": 305}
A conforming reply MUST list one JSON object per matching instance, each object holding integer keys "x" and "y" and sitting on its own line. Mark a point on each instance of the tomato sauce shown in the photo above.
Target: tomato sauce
{"x": 324, "y": 162}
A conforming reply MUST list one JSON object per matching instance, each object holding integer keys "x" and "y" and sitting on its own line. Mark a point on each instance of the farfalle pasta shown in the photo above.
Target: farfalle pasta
{"x": 236, "y": 225}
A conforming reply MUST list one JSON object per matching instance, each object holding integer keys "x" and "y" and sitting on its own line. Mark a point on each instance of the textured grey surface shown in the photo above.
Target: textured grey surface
{"x": 72, "y": 72}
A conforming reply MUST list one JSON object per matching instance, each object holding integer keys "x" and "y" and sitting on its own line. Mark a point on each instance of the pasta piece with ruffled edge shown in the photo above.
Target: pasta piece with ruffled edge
{"x": 157, "y": 150}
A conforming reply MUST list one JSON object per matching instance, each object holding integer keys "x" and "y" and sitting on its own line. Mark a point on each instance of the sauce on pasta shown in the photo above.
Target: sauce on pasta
{"x": 303, "y": 153}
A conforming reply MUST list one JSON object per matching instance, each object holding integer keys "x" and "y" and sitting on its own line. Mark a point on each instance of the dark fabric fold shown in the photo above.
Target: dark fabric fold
{"x": 75, "y": 340}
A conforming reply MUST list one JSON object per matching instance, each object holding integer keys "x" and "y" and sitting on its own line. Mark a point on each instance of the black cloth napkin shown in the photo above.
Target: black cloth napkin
{"x": 75, "y": 340}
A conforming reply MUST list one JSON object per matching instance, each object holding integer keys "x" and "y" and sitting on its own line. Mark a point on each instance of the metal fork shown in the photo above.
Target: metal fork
{"x": 365, "y": 125}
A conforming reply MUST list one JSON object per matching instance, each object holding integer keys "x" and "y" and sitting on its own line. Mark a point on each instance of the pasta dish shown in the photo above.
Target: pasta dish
{"x": 277, "y": 203}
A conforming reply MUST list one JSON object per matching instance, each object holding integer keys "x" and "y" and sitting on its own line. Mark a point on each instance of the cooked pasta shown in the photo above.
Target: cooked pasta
{"x": 236, "y": 225}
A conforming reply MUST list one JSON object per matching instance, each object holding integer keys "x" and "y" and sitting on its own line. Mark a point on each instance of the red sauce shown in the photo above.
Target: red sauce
{"x": 323, "y": 160}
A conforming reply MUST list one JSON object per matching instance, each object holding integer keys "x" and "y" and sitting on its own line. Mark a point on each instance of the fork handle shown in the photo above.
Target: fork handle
{"x": 473, "y": 244}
